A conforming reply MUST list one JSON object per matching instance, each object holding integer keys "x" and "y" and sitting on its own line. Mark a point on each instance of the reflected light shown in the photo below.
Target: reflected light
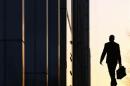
{"x": 23, "y": 45}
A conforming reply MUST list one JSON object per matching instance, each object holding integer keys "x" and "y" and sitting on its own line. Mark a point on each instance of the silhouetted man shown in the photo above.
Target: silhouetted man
{"x": 112, "y": 50}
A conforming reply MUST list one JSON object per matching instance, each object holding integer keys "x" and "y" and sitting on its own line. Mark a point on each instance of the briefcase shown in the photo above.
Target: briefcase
{"x": 121, "y": 72}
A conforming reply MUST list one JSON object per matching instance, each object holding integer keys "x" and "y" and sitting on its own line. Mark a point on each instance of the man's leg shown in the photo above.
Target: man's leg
{"x": 111, "y": 69}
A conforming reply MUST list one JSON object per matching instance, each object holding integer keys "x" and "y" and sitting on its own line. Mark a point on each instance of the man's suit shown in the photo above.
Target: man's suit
{"x": 113, "y": 57}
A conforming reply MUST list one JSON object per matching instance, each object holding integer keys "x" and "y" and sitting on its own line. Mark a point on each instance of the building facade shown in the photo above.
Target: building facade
{"x": 43, "y": 42}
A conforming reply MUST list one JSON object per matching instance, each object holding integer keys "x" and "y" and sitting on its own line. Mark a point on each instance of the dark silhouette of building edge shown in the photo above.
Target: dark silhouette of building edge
{"x": 81, "y": 50}
{"x": 35, "y": 43}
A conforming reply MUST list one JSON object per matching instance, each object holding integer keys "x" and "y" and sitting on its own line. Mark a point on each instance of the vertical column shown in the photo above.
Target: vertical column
{"x": 81, "y": 61}
{"x": 35, "y": 31}
{"x": 53, "y": 43}
{"x": 63, "y": 43}
{"x": 23, "y": 41}
{"x": 2, "y": 22}
{"x": 11, "y": 41}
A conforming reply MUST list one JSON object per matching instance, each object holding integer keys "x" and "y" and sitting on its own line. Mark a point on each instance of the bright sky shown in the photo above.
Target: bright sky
{"x": 69, "y": 47}
{"x": 109, "y": 17}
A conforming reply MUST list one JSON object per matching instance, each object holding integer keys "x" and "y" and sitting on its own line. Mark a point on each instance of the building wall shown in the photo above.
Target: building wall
{"x": 63, "y": 63}
{"x": 35, "y": 43}
{"x": 81, "y": 52}
{"x": 10, "y": 43}
{"x": 42, "y": 66}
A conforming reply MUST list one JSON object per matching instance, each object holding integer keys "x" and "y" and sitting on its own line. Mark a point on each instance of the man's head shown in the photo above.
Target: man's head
{"x": 111, "y": 38}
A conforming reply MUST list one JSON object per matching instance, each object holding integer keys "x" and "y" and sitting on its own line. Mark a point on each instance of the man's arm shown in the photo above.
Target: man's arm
{"x": 103, "y": 54}
{"x": 119, "y": 56}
